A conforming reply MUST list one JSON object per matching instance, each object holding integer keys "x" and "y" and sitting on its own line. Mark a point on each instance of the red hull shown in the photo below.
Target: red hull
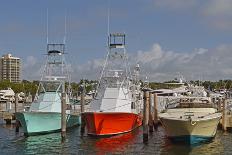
{"x": 111, "y": 123}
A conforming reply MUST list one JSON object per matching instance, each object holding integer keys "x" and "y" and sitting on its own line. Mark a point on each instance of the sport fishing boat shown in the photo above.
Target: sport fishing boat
{"x": 44, "y": 115}
{"x": 191, "y": 124}
{"x": 116, "y": 107}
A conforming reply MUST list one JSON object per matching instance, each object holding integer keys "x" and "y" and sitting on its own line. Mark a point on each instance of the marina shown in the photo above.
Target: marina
{"x": 185, "y": 115}
{"x": 114, "y": 89}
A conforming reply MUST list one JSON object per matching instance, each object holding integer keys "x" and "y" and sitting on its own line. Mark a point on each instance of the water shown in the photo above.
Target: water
{"x": 130, "y": 143}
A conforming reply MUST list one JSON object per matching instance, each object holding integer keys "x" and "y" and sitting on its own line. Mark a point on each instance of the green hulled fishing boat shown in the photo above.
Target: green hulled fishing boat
{"x": 44, "y": 115}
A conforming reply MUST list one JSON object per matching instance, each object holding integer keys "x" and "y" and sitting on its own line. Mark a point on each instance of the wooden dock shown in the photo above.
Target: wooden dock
{"x": 8, "y": 109}
{"x": 7, "y": 116}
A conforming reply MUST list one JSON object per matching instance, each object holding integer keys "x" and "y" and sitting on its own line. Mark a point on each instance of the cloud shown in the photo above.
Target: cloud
{"x": 30, "y": 61}
{"x": 89, "y": 70}
{"x": 31, "y": 68}
{"x": 175, "y": 4}
{"x": 218, "y": 14}
{"x": 211, "y": 64}
{"x": 215, "y": 13}
{"x": 161, "y": 65}
{"x": 157, "y": 64}
{"x": 218, "y": 8}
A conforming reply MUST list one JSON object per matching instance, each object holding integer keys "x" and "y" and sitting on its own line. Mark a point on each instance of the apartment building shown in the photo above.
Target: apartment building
{"x": 10, "y": 68}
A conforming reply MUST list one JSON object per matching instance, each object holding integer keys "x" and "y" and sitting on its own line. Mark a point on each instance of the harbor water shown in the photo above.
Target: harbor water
{"x": 130, "y": 143}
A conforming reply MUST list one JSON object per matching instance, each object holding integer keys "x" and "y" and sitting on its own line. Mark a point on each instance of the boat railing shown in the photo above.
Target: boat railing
{"x": 186, "y": 102}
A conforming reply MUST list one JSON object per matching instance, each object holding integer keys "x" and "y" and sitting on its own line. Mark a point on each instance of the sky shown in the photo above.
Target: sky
{"x": 166, "y": 37}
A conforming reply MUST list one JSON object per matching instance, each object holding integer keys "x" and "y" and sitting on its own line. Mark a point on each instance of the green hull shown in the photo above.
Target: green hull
{"x": 34, "y": 123}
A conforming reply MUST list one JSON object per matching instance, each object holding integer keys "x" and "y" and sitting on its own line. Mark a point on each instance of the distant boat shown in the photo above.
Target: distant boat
{"x": 44, "y": 115}
{"x": 168, "y": 98}
{"x": 7, "y": 95}
{"x": 116, "y": 108}
{"x": 190, "y": 125}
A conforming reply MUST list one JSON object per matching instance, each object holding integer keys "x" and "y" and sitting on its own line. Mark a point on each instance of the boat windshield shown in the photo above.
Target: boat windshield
{"x": 51, "y": 86}
{"x": 114, "y": 79}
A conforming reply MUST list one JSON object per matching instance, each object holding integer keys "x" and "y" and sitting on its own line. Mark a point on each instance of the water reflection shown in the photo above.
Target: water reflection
{"x": 50, "y": 143}
{"x": 207, "y": 148}
{"x": 130, "y": 143}
{"x": 118, "y": 143}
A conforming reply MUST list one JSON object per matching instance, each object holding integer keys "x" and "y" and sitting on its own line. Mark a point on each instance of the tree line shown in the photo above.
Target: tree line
{"x": 210, "y": 85}
{"x": 31, "y": 87}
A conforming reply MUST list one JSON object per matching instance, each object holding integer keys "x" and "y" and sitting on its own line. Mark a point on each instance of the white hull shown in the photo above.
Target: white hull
{"x": 189, "y": 124}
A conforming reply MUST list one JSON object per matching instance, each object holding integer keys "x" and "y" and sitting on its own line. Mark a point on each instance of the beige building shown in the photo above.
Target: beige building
{"x": 10, "y": 68}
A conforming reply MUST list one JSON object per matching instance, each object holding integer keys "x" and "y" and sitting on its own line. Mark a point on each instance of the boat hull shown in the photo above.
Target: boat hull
{"x": 111, "y": 123}
{"x": 190, "y": 131}
{"x": 191, "y": 139}
{"x": 34, "y": 123}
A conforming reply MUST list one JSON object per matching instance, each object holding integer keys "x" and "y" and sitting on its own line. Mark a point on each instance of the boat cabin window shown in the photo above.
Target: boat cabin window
{"x": 132, "y": 105}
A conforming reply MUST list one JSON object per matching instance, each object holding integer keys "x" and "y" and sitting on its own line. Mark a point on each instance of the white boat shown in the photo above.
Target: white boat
{"x": 44, "y": 115}
{"x": 116, "y": 108}
{"x": 190, "y": 125}
{"x": 169, "y": 98}
{"x": 7, "y": 95}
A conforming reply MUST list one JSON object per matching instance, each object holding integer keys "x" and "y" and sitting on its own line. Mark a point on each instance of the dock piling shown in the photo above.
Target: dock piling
{"x": 224, "y": 124}
{"x": 83, "y": 101}
{"x": 219, "y": 103}
{"x": 83, "y": 110}
{"x": 150, "y": 122}
{"x": 16, "y": 104}
{"x": 155, "y": 111}
{"x": 16, "y": 101}
{"x": 145, "y": 116}
{"x": 63, "y": 117}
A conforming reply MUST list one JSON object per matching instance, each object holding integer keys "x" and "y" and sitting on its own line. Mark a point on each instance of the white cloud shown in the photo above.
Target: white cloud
{"x": 201, "y": 63}
{"x": 175, "y": 4}
{"x": 215, "y": 13}
{"x": 218, "y": 8}
{"x": 218, "y": 14}
{"x": 30, "y": 61}
{"x": 31, "y": 68}
{"x": 159, "y": 64}
{"x": 90, "y": 70}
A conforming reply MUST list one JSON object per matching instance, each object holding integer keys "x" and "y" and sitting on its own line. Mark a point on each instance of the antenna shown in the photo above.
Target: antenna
{"x": 65, "y": 31}
{"x": 108, "y": 22}
{"x": 108, "y": 19}
{"x": 47, "y": 26}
